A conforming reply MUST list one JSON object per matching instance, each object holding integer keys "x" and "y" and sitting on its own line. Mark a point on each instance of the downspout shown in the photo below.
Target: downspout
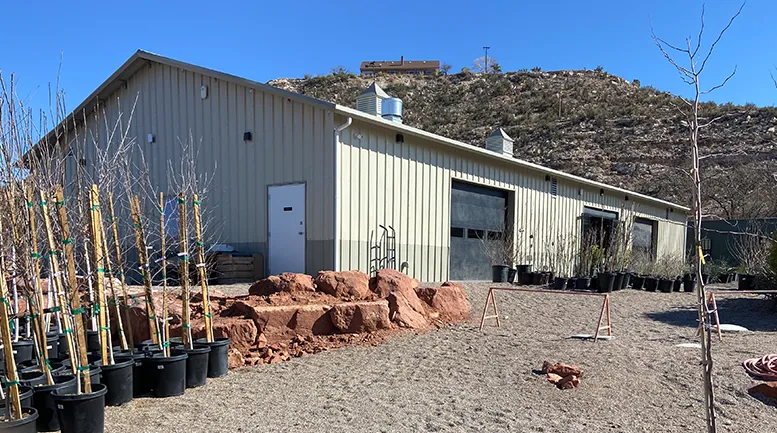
{"x": 338, "y": 144}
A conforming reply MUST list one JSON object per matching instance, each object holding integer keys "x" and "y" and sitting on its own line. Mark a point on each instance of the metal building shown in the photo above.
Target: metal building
{"x": 314, "y": 185}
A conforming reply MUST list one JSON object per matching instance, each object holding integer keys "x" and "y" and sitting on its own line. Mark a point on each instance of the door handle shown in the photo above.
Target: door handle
{"x": 301, "y": 233}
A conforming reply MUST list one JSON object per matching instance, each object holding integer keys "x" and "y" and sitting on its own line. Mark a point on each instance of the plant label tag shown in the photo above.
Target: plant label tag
{"x": 15, "y": 352}
{"x": 60, "y": 407}
{"x": 48, "y": 347}
{"x": 160, "y": 367}
{"x": 138, "y": 364}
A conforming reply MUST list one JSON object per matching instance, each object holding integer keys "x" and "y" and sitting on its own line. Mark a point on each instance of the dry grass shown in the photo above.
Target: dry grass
{"x": 459, "y": 379}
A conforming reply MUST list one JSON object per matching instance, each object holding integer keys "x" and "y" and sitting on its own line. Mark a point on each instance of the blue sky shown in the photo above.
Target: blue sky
{"x": 265, "y": 40}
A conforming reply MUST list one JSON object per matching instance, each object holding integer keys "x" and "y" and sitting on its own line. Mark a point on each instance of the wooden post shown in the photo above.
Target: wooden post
{"x": 99, "y": 273}
{"x": 56, "y": 279}
{"x": 140, "y": 241}
{"x": 183, "y": 257}
{"x": 5, "y": 333}
{"x": 163, "y": 261}
{"x": 75, "y": 299}
{"x": 36, "y": 304}
{"x": 202, "y": 270}
{"x": 130, "y": 337}
{"x": 116, "y": 309}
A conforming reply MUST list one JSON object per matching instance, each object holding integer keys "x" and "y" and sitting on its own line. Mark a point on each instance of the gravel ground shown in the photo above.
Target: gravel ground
{"x": 460, "y": 379}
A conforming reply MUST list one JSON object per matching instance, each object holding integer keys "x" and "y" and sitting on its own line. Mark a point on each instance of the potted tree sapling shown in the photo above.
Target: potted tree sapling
{"x": 751, "y": 250}
{"x": 498, "y": 246}
{"x": 561, "y": 261}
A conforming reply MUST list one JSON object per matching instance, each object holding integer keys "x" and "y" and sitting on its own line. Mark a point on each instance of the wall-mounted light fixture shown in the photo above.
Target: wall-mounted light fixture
{"x": 150, "y": 138}
{"x": 601, "y": 191}
{"x": 247, "y": 136}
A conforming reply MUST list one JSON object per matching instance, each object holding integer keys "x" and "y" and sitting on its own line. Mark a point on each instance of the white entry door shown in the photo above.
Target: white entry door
{"x": 286, "y": 209}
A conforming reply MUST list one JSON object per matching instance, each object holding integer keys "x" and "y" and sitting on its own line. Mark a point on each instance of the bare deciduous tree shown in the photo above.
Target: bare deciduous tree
{"x": 690, "y": 61}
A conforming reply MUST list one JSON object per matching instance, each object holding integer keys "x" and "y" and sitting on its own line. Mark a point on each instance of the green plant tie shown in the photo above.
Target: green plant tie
{"x": 120, "y": 273}
{"x": 46, "y": 360}
{"x": 78, "y": 311}
{"x": 151, "y": 317}
{"x": 200, "y": 243}
{"x": 52, "y": 253}
{"x": 5, "y": 301}
{"x": 105, "y": 328}
{"x": 29, "y": 205}
{"x": 166, "y": 344}
{"x": 35, "y": 256}
{"x": 136, "y": 225}
{"x": 42, "y": 204}
{"x": 208, "y": 315}
{"x": 84, "y": 368}
{"x": 184, "y": 258}
{"x": 11, "y": 383}
{"x": 96, "y": 308}
{"x": 94, "y": 207}
{"x": 101, "y": 270}
{"x": 186, "y": 326}
{"x": 112, "y": 302}
{"x": 60, "y": 203}
{"x": 67, "y": 241}
{"x": 196, "y": 202}
{"x": 67, "y": 331}
{"x": 180, "y": 200}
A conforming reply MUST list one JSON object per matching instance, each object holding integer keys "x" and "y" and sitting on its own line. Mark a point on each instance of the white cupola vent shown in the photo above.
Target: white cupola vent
{"x": 500, "y": 142}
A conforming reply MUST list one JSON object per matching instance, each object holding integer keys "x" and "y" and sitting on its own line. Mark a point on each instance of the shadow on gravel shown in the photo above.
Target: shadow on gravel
{"x": 755, "y": 314}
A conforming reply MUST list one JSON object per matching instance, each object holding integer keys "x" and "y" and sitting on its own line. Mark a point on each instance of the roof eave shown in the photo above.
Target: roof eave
{"x": 347, "y": 111}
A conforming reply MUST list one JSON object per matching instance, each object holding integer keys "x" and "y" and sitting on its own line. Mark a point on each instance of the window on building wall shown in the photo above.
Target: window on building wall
{"x": 643, "y": 238}
{"x": 598, "y": 226}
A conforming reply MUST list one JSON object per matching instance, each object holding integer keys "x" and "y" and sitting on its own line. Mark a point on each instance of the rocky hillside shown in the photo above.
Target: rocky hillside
{"x": 591, "y": 124}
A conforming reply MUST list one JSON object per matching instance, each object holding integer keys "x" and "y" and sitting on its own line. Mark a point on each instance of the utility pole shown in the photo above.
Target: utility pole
{"x": 485, "y": 66}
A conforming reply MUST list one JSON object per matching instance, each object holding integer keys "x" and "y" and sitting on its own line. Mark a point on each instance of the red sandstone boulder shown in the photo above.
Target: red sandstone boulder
{"x": 344, "y": 285}
{"x": 285, "y": 282}
{"x": 235, "y": 359}
{"x": 449, "y": 301}
{"x": 389, "y": 280}
{"x": 284, "y": 322}
{"x": 359, "y": 317}
{"x": 241, "y": 332}
{"x": 403, "y": 313}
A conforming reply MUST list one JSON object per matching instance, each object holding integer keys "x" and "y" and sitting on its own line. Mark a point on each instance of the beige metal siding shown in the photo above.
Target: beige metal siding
{"x": 408, "y": 186}
{"x": 292, "y": 143}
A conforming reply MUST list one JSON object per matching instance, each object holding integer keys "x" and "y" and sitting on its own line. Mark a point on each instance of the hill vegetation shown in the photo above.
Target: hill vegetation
{"x": 592, "y": 124}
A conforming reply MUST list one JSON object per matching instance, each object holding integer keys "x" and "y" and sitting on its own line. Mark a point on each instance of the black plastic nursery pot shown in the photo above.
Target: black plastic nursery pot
{"x": 166, "y": 375}
{"x": 43, "y": 401}
{"x": 523, "y": 268}
{"x": 218, "y": 364}
{"x": 196, "y": 364}
{"x": 52, "y": 344}
{"x": 689, "y": 282}
{"x": 638, "y": 283}
{"x": 536, "y": 278}
{"x": 499, "y": 273}
{"x": 651, "y": 284}
{"x": 82, "y": 413}
{"x": 139, "y": 383}
{"x": 524, "y": 278}
{"x": 677, "y": 285}
{"x": 56, "y": 368}
{"x": 23, "y": 425}
{"x": 583, "y": 283}
{"x": 606, "y": 282}
{"x": 511, "y": 275}
{"x": 616, "y": 285}
{"x": 32, "y": 378}
{"x": 745, "y": 282}
{"x": 93, "y": 341}
{"x": 25, "y": 396}
{"x": 118, "y": 379}
{"x": 63, "y": 351}
{"x": 665, "y": 285}
{"x": 22, "y": 350}
{"x": 625, "y": 281}
{"x": 560, "y": 283}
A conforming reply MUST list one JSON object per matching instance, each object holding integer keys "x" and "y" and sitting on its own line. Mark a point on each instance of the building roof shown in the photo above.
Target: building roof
{"x": 399, "y": 65}
{"x": 142, "y": 58}
{"x": 374, "y": 89}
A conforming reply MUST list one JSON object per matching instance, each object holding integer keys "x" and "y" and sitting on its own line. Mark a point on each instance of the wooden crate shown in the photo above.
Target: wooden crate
{"x": 232, "y": 269}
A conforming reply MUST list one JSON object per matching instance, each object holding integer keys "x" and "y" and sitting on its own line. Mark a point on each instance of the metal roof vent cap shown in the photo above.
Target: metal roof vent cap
{"x": 370, "y": 101}
{"x": 392, "y": 109}
{"x": 499, "y": 142}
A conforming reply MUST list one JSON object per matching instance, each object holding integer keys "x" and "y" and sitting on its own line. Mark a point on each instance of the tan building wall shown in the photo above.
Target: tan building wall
{"x": 292, "y": 142}
{"x": 408, "y": 186}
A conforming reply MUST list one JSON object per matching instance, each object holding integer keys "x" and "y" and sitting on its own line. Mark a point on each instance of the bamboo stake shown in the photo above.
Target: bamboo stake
{"x": 99, "y": 275}
{"x": 127, "y": 322}
{"x": 183, "y": 257}
{"x": 143, "y": 260}
{"x": 75, "y": 299}
{"x": 5, "y": 333}
{"x": 87, "y": 261}
{"x": 163, "y": 260}
{"x": 55, "y": 276}
{"x": 117, "y": 310}
{"x": 202, "y": 270}
{"x": 36, "y": 305}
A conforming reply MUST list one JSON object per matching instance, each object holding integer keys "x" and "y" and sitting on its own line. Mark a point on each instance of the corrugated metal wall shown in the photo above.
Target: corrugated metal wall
{"x": 292, "y": 142}
{"x": 407, "y": 185}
